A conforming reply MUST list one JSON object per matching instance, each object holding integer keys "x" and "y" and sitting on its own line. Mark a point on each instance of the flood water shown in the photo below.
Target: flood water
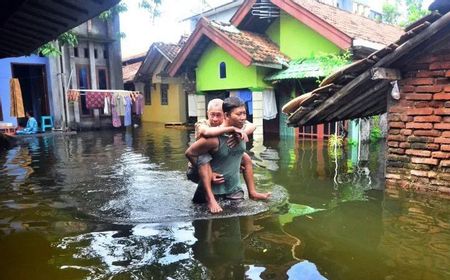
{"x": 116, "y": 205}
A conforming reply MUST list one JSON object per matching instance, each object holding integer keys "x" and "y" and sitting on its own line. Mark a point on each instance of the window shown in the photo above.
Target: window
{"x": 102, "y": 78}
{"x": 83, "y": 83}
{"x": 164, "y": 96}
{"x": 75, "y": 51}
{"x": 223, "y": 70}
{"x": 105, "y": 53}
{"x": 148, "y": 93}
{"x": 86, "y": 52}
{"x": 95, "y": 53}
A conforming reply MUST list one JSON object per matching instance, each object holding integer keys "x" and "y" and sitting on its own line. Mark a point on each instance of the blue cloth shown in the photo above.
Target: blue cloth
{"x": 246, "y": 96}
{"x": 31, "y": 128}
{"x": 127, "y": 117}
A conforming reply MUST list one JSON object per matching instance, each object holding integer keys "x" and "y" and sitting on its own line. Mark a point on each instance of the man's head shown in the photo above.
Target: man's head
{"x": 215, "y": 113}
{"x": 234, "y": 111}
{"x": 29, "y": 114}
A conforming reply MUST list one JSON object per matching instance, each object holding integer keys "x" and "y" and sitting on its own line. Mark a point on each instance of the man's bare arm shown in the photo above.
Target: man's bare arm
{"x": 249, "y": 128}
{"x": 201, "y": 146}
{"x": 207, "y": 132}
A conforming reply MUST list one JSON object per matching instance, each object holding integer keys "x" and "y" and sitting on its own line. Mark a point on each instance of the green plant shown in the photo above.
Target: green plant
{"x": 330, "y": 62}
{"x": 375, "y": 131}
{"x": 335, "y": 143}
{"x": 117, "y": 9}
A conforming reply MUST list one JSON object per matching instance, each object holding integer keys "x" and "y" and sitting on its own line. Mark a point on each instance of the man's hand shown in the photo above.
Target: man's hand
{"x": 217, "y": 178}
{"x": 237, "y": 136}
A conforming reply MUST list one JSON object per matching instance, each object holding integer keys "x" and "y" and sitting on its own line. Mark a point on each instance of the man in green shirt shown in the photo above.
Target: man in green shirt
{"x": 225, "y": 160}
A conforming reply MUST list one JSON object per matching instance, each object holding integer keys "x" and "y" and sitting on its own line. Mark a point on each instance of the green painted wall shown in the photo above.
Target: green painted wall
{"x": 238, "y": 76}
{"x": 298, "y": 40}
{"x": 273, "y": 32}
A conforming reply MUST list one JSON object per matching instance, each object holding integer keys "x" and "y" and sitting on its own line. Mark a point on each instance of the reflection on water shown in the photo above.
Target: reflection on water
{"x": 116, "y": 205}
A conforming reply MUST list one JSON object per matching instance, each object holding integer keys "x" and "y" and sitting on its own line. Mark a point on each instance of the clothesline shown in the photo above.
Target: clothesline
{"x": 104, "y": 90}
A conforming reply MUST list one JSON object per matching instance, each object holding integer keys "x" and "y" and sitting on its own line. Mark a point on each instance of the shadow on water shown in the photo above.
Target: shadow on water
{"x": 116, "y": 205}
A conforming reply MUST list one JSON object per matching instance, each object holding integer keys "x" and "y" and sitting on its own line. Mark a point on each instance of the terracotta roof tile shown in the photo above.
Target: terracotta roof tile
{"x": 260, "y": 47}
{"x": 169, "y": 50}
{"x": 355, "y": 26}
{"x": 129, "y": 71}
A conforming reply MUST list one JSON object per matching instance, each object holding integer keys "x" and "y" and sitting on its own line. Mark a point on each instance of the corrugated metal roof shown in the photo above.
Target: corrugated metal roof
{"x": 304, "y": 68}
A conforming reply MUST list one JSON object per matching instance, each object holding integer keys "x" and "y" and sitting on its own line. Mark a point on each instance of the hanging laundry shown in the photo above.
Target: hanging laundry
{"x": 95, "y": 100}
{"x": 73, "y": 95}
{"x": 192, "y": 105}
{"x": 139, "y": 103}
{"x": 16, "y": 108}
{"x": 107, "y": 108}
{"x": 270, "y": 110}
{"x": 120, "y": 104}
{"x": 246, "y": 96}
{"x": 127, "y": 117}
{"x": 115, "y": 114}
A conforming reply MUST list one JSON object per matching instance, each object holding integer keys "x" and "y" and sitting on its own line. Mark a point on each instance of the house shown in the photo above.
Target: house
{"x": 263, "y": 38}
{"x": 23, "y": 31}
{"x": 95, "y": 63}
{"x": 165, "y": 97}
{"x": 410, "y": 80}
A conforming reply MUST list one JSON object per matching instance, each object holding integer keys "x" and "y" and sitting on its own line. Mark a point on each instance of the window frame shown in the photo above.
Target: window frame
{"x": 164, "y": 91}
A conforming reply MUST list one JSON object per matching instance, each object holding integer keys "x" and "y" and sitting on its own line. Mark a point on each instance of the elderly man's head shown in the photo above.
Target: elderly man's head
{"x": 215, "y": 112}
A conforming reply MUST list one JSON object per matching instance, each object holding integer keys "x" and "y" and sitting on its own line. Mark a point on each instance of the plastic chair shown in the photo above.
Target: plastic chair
{"x": 45, "y": 124}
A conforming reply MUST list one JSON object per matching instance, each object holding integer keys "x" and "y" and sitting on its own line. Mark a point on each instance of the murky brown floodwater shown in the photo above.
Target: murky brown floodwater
{"x": 116, "y": 205}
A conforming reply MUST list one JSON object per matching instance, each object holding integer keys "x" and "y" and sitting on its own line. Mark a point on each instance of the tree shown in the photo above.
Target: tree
{"x": 392, "y": 13}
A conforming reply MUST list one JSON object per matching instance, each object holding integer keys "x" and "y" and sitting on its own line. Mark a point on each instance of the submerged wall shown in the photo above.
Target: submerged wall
{"x": 418, "y": 154}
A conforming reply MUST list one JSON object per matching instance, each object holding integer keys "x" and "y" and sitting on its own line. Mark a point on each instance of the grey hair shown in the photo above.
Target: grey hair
{"x": 215, "y": 103}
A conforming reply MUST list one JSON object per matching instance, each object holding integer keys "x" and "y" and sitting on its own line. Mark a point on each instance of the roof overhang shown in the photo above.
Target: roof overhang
{"x": 204, "y": 31}
{"x": 328, "y": 31}
{"x": 26, "y": 25}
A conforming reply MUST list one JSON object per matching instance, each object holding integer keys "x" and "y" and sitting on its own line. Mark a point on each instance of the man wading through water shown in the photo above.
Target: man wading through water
{"x": 223, "y": 154}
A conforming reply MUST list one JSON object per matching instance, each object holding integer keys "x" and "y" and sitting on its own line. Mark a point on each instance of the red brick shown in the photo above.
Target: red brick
{"x": 420, "y": 111}
{"x": 445, "y": 134}
{"x": 447, "y": 74}
{"x": 419, "y": 153}
{"x": 445, "y": 148}
{"x": 427, "y": 119}
{"x": 396, "y": 109}
{"x": 392, "y": 144}
{"x": 396, "y": 124}
{"x": 438, "y": 73}
{"x": 407, "y": 89}
{"x": 436, "y": 96}
{"x": 396, "y": 151}
{"x": 442, "y": 155}
{"x": 425, "y": 146}
{"x": 405, "y": 118}
{"x": 431, "y": 89}
{"x": 422, "y": 104}
{"x": 394, "y": 117}
{"x": 443, "y": 126}
{"x": 419, "y": 173}
{"x": 442, "y": 111}
{"x": 422, "y": 81}
{"x": 424, "y": 96}
{"x": 405, "y": 132}
{"x": 404, "y": 145}
{"x": 440, "y": 65}
{"x": 424, "y": 74}
{"x": 442, "y": 140}
{"x": 399, "y": 138}
{"x": 445, "y": 163}
{"x": 394, "y": 131}
{"x": 419, "y": 125}
{"x": 422, "y": 139}
{"x": 447, "y": 88}
{"x": 446, "y": 119}
{"x": 432, "y": 133}
{"x": 428, "y": 161}
{"x": 447, "y": 104}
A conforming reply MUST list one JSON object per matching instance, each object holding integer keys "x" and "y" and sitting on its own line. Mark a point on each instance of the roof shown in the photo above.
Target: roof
{"x": 27, "y": 25}
{"x": 304, "y": 68}
{"x": 219, "y": 9}
{"x": 133, "y": 58}
{"x": 339, "y": 26}
{"x": 356, "y": 91}
{"x": 247, "y": 47}
{"x": 130, "y": 70}
{"x": 157, "y": 52}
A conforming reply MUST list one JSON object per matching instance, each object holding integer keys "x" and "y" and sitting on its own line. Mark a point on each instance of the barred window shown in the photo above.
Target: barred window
{"x": 164, "y": 94}
{"x": 148, "y": 93}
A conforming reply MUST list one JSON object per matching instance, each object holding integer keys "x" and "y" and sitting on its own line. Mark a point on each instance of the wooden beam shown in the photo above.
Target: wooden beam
{"x": 357, "y": 100}
{"x": 381, "y": 73}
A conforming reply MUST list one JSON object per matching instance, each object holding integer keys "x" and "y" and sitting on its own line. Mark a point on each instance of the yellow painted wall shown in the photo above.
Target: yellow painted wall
{"x": 175, "y": 111}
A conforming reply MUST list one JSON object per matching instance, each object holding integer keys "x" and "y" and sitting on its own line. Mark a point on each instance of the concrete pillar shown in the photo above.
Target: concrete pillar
{"x": 364, "y": 126}
{"x": 258, "y": 108}
{"x": 201, "y": 106}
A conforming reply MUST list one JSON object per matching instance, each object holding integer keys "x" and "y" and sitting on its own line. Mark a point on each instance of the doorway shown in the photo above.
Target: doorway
{"x": 33, "y": 83}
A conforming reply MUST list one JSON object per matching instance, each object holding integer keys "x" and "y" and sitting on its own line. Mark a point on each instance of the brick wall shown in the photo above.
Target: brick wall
{"x": 418, "y": 154}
